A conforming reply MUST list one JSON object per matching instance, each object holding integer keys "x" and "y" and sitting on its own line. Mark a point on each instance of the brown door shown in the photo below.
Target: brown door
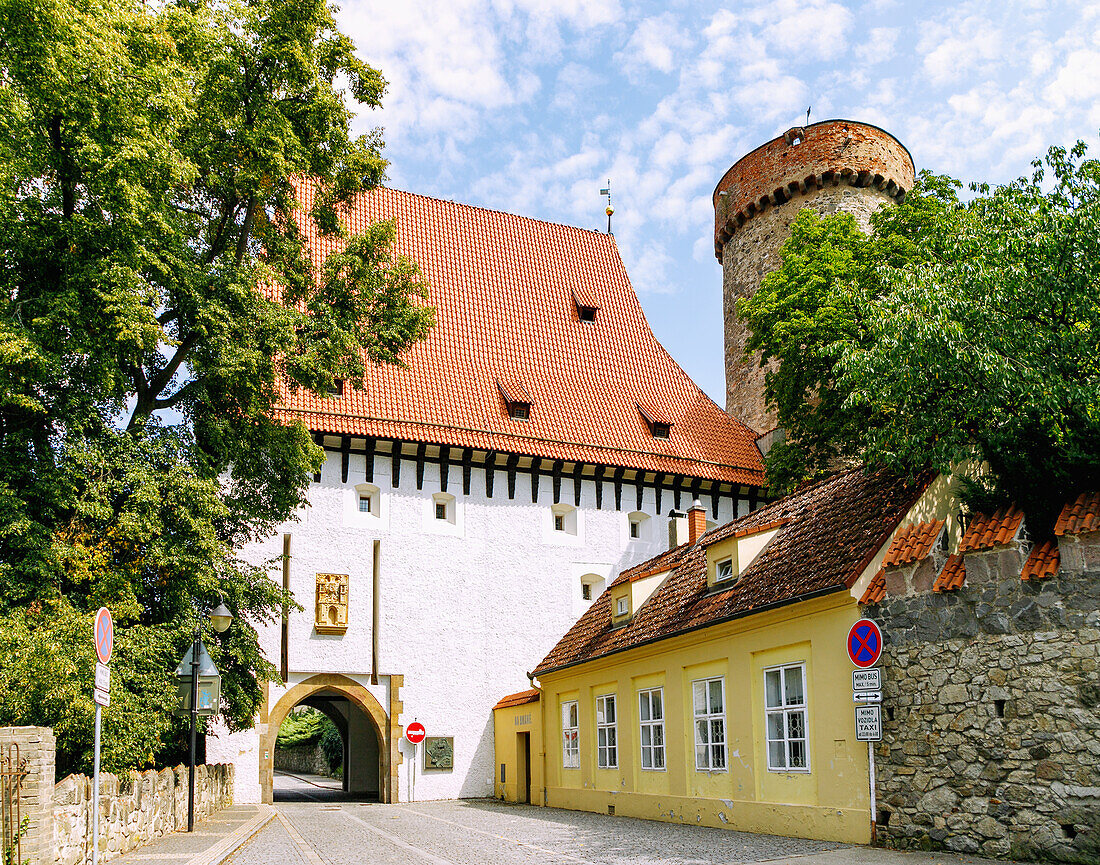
{"x": 523, "y": 770}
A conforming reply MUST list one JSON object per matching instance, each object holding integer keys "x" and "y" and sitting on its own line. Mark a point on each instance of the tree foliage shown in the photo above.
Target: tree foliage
{"x": 954, "y": 333}
{"x": 155, "y": 301}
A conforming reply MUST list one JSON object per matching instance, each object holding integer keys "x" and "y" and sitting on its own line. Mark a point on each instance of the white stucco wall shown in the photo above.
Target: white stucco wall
{"x": 466, "y": 607}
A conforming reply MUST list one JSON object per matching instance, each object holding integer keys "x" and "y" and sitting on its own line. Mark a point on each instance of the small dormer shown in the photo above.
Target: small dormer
{"x": 729, "y": 557}
{"x": 628, "y": 595}
{"x": 660, "y": 424}
{"x": 620, "y": 604}
{"x": 517, "y": 400}
{"x": 587, "y": 305}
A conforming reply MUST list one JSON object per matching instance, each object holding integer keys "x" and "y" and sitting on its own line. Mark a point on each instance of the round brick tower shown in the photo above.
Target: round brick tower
{"x": 829, "y": 166}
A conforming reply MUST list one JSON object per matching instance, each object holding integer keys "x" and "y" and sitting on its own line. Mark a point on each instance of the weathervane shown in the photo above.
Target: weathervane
{"x": 607, "y": 191}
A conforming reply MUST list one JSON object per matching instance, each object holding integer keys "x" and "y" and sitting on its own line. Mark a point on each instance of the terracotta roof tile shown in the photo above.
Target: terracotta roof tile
{"x": 504, "y": 290}
{"x": 912, "y": 543}
{"x": 833, "y": 530}
{"x": 522, "y": 698}
{"x": 1043, "y": 561}
{"x": 952, "y": 576}
{"x": 985, "y": 532}
{"x": 876, "y": 589}
{"x": 1080, "y": 516}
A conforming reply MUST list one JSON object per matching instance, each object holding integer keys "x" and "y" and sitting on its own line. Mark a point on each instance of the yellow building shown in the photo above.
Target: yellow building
{"x": 711, "y": 685}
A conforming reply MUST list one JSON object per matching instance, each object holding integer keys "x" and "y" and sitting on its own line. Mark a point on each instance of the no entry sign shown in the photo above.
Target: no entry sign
{"x": 104, "y": 635}
{"x": 415, "y": 732}
{"x": 864, "y": 643}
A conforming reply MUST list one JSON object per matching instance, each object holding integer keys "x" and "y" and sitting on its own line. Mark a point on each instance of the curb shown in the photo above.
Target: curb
{"x": 233, "y": 842}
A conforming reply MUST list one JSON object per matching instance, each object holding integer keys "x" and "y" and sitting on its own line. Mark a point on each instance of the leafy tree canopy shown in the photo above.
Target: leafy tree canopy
{"x": 155, "y": 299}
{"x": 955, "y": 333}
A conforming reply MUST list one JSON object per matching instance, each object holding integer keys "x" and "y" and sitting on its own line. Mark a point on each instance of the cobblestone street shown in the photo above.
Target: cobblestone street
{"x": 485, "y": 832}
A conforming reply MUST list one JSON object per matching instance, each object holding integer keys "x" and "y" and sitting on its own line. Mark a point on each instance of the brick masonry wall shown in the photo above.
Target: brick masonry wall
{"x": 133, "y": 810}
{"x": 38, "y": 747}
{"x": 993, "y": 746}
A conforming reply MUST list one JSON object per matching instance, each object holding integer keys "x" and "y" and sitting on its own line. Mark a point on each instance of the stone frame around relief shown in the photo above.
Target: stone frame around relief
{"x": 439, "y": 753}
{"x": 331, "y": 604}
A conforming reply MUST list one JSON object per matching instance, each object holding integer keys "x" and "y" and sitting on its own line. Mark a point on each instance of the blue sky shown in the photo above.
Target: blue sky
{"x": 530, "y": 105}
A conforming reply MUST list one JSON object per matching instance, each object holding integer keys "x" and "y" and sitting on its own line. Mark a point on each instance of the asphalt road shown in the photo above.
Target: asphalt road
{"x": 485, "y": 832}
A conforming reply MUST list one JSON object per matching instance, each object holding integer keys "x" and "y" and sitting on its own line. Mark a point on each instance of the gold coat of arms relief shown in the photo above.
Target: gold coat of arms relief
{"x": 332, "y": 604}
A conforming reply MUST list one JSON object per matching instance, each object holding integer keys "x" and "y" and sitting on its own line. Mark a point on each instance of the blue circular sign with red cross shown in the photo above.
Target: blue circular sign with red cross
{"x": 864, "y": 643}
{"x": 104, "y": 635}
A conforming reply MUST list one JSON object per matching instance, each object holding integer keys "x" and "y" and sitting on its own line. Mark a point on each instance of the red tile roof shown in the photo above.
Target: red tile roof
{"x": 1043, "y": 561}
{"x": 1079, "y": 516}
{"x": 657, "y": 565}
{"x": 503, "y": 287}
{"x": 519, "y": 699}
{"x": 833, "y": 530}
{"x": 876, "y": 589}
{"x": 985, "y": 532}
{"x": 912, "y": 543}
{"x": 952, "y": 576}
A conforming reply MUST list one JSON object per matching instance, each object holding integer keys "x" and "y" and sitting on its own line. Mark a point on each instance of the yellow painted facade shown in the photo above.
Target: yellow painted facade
{"x": 830, "y": 800}
{"x": 518, "y": 741}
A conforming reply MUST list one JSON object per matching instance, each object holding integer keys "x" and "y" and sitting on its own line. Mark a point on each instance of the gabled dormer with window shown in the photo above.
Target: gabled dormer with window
{"x": 587, "y": 305}
{"x": 517, "y": 400}
{"x": 658, "y": 422}
{"x": 729, "y": 557}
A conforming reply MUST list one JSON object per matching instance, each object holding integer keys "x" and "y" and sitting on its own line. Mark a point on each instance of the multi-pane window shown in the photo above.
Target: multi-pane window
{"x": 570, "y": 736}
{"x": 651, "y": 718}
{"x": 723, "y": 570}
{"x": 709, "y": 699}
{"x": 607, "y": 748}
{"x": 365, "y": 503}
{"x": 785, "y": 709}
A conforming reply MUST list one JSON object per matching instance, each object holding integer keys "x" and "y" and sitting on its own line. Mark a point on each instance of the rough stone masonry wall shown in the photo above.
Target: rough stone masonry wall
{"x": 309, "y": 759}
{"x": 38, "y": 748}
{"x": 133, "y": 809}
{"x": 994, "y": 741}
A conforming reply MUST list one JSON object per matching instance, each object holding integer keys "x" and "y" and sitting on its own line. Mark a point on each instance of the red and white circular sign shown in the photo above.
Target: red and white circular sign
{"x": 415, "y": 732}
{"x": 104, "y": 635}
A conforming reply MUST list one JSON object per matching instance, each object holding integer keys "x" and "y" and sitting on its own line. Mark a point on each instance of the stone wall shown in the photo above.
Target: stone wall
{"x": 36, "y": 751}
{"x": 134, "y": 809}
{"x": 309, "y": 759}
{"x": 992, "y": 712}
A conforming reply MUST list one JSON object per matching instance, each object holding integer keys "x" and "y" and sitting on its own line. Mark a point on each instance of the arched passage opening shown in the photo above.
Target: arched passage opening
{"x": 362, "y": 724}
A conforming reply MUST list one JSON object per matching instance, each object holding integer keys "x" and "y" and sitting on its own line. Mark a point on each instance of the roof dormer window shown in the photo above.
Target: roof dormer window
{"x": 516, "y": 399}
{"x": 586, "y": 313}
{"x": 587, "y": 305}
{"x": 660, "y": 426}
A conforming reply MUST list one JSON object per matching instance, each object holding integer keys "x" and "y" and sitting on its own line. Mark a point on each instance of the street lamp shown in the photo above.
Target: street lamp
{"x": 199, "y": 661}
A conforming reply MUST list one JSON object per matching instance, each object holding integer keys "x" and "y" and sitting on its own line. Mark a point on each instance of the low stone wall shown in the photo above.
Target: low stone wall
{"x": 307, "y": 759}
{"x": 133, "y": 810}
{"x": 992, "y": 714}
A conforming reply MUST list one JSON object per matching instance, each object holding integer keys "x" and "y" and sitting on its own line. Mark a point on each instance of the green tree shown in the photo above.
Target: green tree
{"x": 955, "y": 333}
{"x": 156, "y": 301}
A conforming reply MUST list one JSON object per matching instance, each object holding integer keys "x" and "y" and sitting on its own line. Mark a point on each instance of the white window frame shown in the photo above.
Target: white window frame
{"x": 622, "y": 605}
{"x": 789, "y": 716}
{"x": 651, "y": 728}
{"x": 607, "y": 732}
{"x": 718, "y": 567}
{"x": 570, "y": 735}
{"x": 709, "y": 744}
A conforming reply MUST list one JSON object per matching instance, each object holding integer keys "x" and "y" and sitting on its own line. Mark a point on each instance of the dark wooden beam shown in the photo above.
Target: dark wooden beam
{"x": 639, "y": 480}
{"x": 577, "y": 469}
{"x": 420, "y": 449}
{"x": 371, "y": 445}
{"x": 444, "y": 466}
{"x": 752, "y": 501}
{"x": 467, "y": 467}
{"x": 345, "y": 457}
{"x": 556, "y": 474}
{"x": 395, "y": 464}
{"x": 658, "y": 488}
{"x": 714, "y": 498}
{"x": 513, "y": 461}
{"x": 319, "y": 440}
{"x": 695, "y": 484}
{"x": 490, "y": 470}
{"x": 677, "y": 487}
{"x": 599, "y": 486}
{"x": 619, "y": 488}
{"x": 536, "y": 464}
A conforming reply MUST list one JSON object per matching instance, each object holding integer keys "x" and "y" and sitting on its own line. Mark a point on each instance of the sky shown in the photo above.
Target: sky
{"x": 530, "y": 106}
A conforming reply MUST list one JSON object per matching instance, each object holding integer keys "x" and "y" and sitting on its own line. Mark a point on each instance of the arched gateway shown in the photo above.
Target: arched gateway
{"x": 329, "y": 684}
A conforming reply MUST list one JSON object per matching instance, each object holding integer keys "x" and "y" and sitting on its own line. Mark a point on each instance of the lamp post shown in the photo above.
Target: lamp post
{"x": 220, "y": 619}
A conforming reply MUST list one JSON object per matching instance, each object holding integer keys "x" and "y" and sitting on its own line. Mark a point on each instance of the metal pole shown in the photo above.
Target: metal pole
{"x": 194, "y": 719}
{"x": 95, "y": 790}
{"x": 871, "y": 769}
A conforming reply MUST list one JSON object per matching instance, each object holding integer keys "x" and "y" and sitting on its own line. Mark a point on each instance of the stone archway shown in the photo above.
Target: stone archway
{"x": 354, "y": 693}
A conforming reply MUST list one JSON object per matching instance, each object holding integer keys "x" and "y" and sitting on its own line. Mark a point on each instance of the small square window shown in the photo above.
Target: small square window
{"x": 366, "y": 503}
{"x": 620, "y": 606}
{"x": 723, "y": 570}
{"x": 559, "y": 522}
{"x": 586, "y": 591}
{"x": 635, "y": 529}
{"x": 337, "y": 388}
{"x": 441, "y": 510}
{"x": 586, "y": 313}
{"x": 519, "y": 410}
{"x": 661, "y": 430}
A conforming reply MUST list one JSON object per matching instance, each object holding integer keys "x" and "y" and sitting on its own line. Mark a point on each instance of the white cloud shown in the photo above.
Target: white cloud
{"x": 656, "y": 43}
{"x": 879, "y": 45}
{"x": 1077, "y": 80}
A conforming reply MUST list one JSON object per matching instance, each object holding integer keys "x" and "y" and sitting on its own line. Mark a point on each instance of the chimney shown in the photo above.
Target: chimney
{"x": 697, "y": 521}
{"x": 677, "y": 528}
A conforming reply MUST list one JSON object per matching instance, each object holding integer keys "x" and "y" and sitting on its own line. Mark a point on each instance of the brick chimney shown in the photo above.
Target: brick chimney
{"x": 697, "y": 521}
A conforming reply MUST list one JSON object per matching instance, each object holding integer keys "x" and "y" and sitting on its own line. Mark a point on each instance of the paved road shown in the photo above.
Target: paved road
{"x": 485, "y": 832}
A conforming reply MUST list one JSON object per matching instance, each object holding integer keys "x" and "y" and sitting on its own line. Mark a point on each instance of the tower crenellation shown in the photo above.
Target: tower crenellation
{"x": 830, "y": 166}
